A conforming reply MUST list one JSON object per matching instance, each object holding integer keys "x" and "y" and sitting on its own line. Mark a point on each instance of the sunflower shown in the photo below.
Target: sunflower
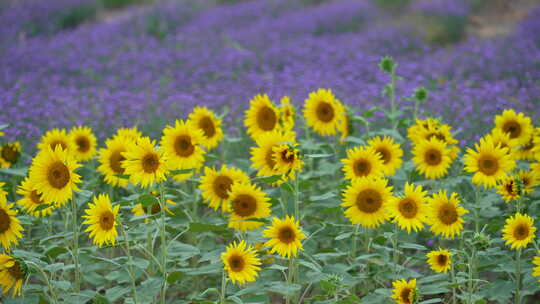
{"x": 131, "y": 134}
{"x": 362, "y": 162}
{"x": 206, "y": 121}
{"x": 10, "y": 226}
{"x": 31, "y": 200}
{"x": 509, "y": 190}
{"x": 536, "y": 269}
{"x": 144, "y": 163}
{"x": 389, "y": 151}
{"x": 101, "y": 218}
{"x": 53, "y": 175}
{"x": 285, "y": 237}
{"x": 261, "y": 117}
{"x": 519, "y": 231}
{"x": 110, "y": 159}
{"x": 9, "y": 154}
{"x": 410, "y": 210}
{"x": 501, "y": 139}
{"x": 440, "y": 260}
{"x": 286, "y": 113}
{"x": 287, "y": 160}
{"x": 489, "y": 163}
{"x": 56, "y": 137}
{"x": 444, "y": 214}
{"x": 527, "y": 151}
{"x": 345, "y": 126}
{"x": 405, "y": 292}
{"x": 323, "y": 112}
{"x": 528, "y": 180}
{"x": 262, "y": 155}
{"x": 241, "y": 262}
{"x": 13, "y": 273}
{"x": 517, "y": 125}
{"x": 85, "y": 143}
{"x": 432, "y": 158}
{"x": 3, "y": 193}
{"x": 247, "y": 201}
{"x": 155, "y": 208}
{"x": 215, "y": 185}
{"x": 415, "y": 132}
{"x": 366, "y": 200}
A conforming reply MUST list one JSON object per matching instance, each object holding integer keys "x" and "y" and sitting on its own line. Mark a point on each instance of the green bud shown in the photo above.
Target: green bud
{"x": 387, "y": 65}
{"x": 420, "y": 94}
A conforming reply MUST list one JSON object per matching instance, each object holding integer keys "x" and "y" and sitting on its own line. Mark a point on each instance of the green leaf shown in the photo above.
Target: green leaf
{"x": 53, "y": 252}
{"x": 202, "y": 227}
{"x": 435, "y": 300}
{"x": 123, "y": 176}
{"x": 283, "y": 288}
{"x": 319, "y": 155}
{"x": 269, "y": 179}
{"x": 15, "y": 171}
{"x": 148, "y": 200}
{"x": 323, "y": 196}
{"x": 174, "y": 276}
{"x": 412, "y": 246}
{"x": 2, "y": 127}
{"x": 42, "y": 207}
{"x": 181, "y": 171}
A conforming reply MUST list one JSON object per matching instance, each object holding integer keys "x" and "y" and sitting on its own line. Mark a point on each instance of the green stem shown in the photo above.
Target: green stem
{"x": 518, "y": 277}
{"x": 453, "y": 278}
{"x": 75, "y": 250}
{"x": 47, "y": 281}
{"x": 130, "y": 261}
{"x": 163, "y": 244}
{"x": 395, "y": 249}
{"x": 353, "y": 252}
{"x": 222, "y": 295}
{"x": 289, "y": 280}
{"x": 296, "y": 199}
{"x": 472, "y": 267}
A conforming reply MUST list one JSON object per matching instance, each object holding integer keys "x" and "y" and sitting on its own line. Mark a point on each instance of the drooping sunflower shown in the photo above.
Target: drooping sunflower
{"x": 509, "y": 190}
{"x": 247, "y": 201}
{"x": 445, "y": 214}
{"x": 111, "y": 158}
{"x": 144, "y": 163}
{"x": 31, "y": 200}
{"x": 241, "y": 262}
{"x": 440, "y": 260}
{"x": 9, "y": 154}
{"x": 410, "y": 210}
{"x": 489, "y": 163}
{"x": 285, "y": 237}
{"x": 323, "y": 112}
{"x": 53, "y": 175}
{"x": 262, "y": 155}
{"x": 261, "y": 117}
{"x": 13, "y": 273}
{"x": 362, "y": 162}
{"x": 405, "y": 292}
{"x": 205, "y": 120}
{"x": 432, "y": 158}
{"x": 517, "y": 125}
{"x": 366, "y": 200}
{"x": 215, "y": 185}
{"x": 10, "y": 226}
{"x": 101, "y": 218}
{"x": 519, "y": 231}
{"x": 85, "y": 143}
{"x": 131, "y": 134}
{"x": 286, "y": 113}
{"x": 56, "y": 137}
{"x": 528, "y": 179}
{"x": 389, "y": 151}
{"x": 536, "y": 269}
{"x": 287, "y": 160}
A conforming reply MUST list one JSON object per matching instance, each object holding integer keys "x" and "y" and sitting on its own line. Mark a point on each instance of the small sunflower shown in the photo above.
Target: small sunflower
{"x": 527, "y": 151}
{"x": 509, "y": 190}
{"x": 287, "y": 160}
{"x": 247, "y": 201}
{"x": 517, "y": 125}
{"x": 528, "y": 180}
{"x": 85, "y": 143}
{"x": 31, "y": 200}
{"x": 415, "y": 133}
{"x": 536, "y": 269}
{"x": 241, "y": 262}
{"x": 501, "y": 139}
{"x": 410, "y": 210}
{"x": 144, "y": 163}
{"x": 519, "y": 231}
{"x": 111, "y": 159}
{"x": 405, "y": 292}
{"x": 261, "y": 117}
{"x": 9, "y": 154}
{"x": 362, "y": 162}
{"x": 101, "y": 218}
{"x": 10, "y": 226}
{"x": 286, "y": 113}
{"x": 56, "y": 137}
{"x": 262, "y": 156}
{"x": 285, "y": 237}
{"x": 489, "y": 163}
{"x": 445, "y": 214}
{"x": 389, "y": 151}
{"x": 440, "y": 260}
{"x": 13, "y": 273}
{"x": 206, "y": 121}
{"x": 155, "y": 208}
{"x": 216, "y": 185}
{"x": 367, "y": 200}
{"x": 432, "y": 158}
{"x": 323, "y": 112}
{"x": 53, "y": 175}
{"x": 131, "y": 134}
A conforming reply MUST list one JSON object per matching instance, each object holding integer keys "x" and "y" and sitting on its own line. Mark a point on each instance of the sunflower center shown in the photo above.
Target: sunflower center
{"x": 408, "y": 208}
{"x": 488, "y": 165}
{"x": 325, "y": 111}
{"x": 244, "y": 205}
{"x": 10, "y": 154}
{"x": 287, "y": 156}
{"x": 526, "y": 181}
{"x": 156, "y": 208}
{"x": 386, "y": 156}
{"x": 106, "y": 220}
{"x": 448, "y": 214}
{"x": 115, "y": 161}
{"x": 268, "y": 158}
{"x": 150, "y": 163}
{"x": 369, "y": 201}
{"x": 437, "y": 135}
{"x": 286, "y": 235}
{"x": 4, "y": 221}
{"x": 266, "y": 119}
{"x": 405, "y": 294}
{"x": 60, "y": 143}
{"x": 183, "y": 146}
{"x": 207, "y": 125}
{"x": 433, "y": 157}
{"x": 83, "y": 144}
{"x": 58, "y": 175}
{"x": 15, "y": 271}
{"x": 442, "y": 259}
{"x": 36, "y": 198}
{"x": 521, "y": 232}
{"x": 222, "y": 186}
{"x": 236, "y": 263}
{"x": 362, "y": 167}
{"x": 513, "y": 128}
{"x": 509, "y": 187}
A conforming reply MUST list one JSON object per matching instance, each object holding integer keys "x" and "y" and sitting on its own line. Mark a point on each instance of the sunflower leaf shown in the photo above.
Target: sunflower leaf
{"x": 148, "y": 200}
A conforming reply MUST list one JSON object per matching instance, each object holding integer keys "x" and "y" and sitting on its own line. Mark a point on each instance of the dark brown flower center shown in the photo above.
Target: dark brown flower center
{"x": 433, "y": 157}
{"x": 222, "y": 186}
{"x": 438, "y": 135}
{"x": 442, "y": 259}
{"x": 521, "y": 232}
{"x": 509, "y": 187}
{"x": 58, "y": 175}
{"x": 5, "y": 221}
{"x": 286, "y": 235}
{"x": 155, "y": 208}
{"x": 244, "y": 205}
{"x": 60, "y": 143}
{"x": 83, "y": 144}
{"x": 10, "y": 154}
{"x": 236, "y": 263}
{"x": 362, "y": 167}
{"x": 288, "y": 156}
{"x": 369, "y": 201}
{"x": 115, "y": 161}
{"x": 405, "y": 294}
{"x": 513, "y": 128}
{"x": 488, "y": 165}
{"x": 106, "y": 220}
{"x": 35, "y": 197}
{"x": 269, "y": 159}
{"x": 448, "y": 214}
{"x": 150, "y": 163}
{"x": 266, "y": 118}
{"x": 15, "y": 271}
{"x": 207, "y": 125}
{"x": 325, "y": 111}
{"x": 386, "y": 156}
{"x": 183, "y": 146}
{"x": 408, "y": 208}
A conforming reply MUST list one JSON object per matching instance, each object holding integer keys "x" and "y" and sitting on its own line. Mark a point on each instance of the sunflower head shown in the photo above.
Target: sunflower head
{"x": 440, "y": 260}
{"x": 287, "y": 113}
{"x": 182, "y": 145}
{"x": 207, "y": 122}
{"x": 519, "y": 231}
{"x": 445, "y": 214}
{"x": 509, "y": 189}
{"x": 285, "y": 237}
{"x": 389, "y": 151}
{"x": 518, "y": 126}
{"x": 111, "y": 160}
{"x": 262, "y": 156}
{"x": 145, "y": 164}
{"x": 247, "y": 201}
{"x": 366, "y": 200}
{"x": 536, "y": 269}
{"x": 84, "y": 142}
{"x": 287, "y": 159}
{"x": 362, "y": 162}
{"x": 261, "y": 117}
{"x": 10, "y": 226}
{"x": 241, "y": 262}
{"x": 9, "y": 154}
{"x": 13, "y": 273}
{"x": 432, "y": 158}
{"x": 405, "y": 292}
{"x": 101, "y": 220}
{"x": 54, "y": 138}
{"x": 129, "y": 134}
{"x": 323, "y": 112}
{"x": 31, "y": 200}
{"x": 409, "y": 211}
{"x": 216, "y": 185}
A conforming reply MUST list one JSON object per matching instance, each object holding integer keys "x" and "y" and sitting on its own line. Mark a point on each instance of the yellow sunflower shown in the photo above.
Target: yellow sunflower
{"x": 101, "y": 218}
{"x": 445, "y": 214}
{"x": 13, "y": 273}
{"x": 241, "y": 262}
{"x": 517, "y": 125}
{"x": 501, "y": 139}
{"x": 3, "y": 193}
{"x": 389, "y": 151}
{"x": 527, "y": 151}
{"x": 110, "y": 159}
{"x": 440, "y": 260}
{"x": 489, "y": 163}
{"x": 206, "y": 121}
{"x": 144, "y": 163}
{"x": 247, "y": 201}
{"x": 155, "y": 208}
{"x": 432, "y": 158}
{"x": 10, "y": 226}
{"x": 262, "y": 116}
{"x": 323, "y": 112}
{"x": 287, "y": 113}
{"x": 536, "y": 269}
{"x": 32, "y": 200}
{"x": 509, "y": 190}
{"x": 131, "y": 134}
{"x": 285, "y": 237}
{"x": 421, "y": 126}
{"x": 528, "y": 179}
{"x": 9, "y": 154}
{"x": 344, "y": 126}
{"x": 215, "y": 185}
{"x": 53, "y": 175}
{"x": 409, "y": 210}
{"x": 56, "y": 137}
{"x": 367, "y": 201}
{"x": 405, "y": 292}
{"x": 262, "y": 157}
{"x": 287, "y": 160}
{"x": 519, "y": 231}
{"x": 85, "y": 143}
{"x": 362, "y": 162}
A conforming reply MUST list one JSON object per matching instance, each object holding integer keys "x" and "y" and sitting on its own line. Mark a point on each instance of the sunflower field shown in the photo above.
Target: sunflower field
{"x": 300, "y": 198}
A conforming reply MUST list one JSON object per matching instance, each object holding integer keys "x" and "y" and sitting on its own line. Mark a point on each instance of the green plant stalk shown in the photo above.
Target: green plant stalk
{"x": 352, "y": 254}
{"x": 289, "y": 280}
{"x": 53, "y": 294}
{"x": 395, "y": 249}
{"x": 163, "y": 237}
{"x": 453, "y": 280}
{"x": 392, "y": 93}
{"x": 130, "y": 260}
{"x": 75, "y": 250}
{"x": 472, "y": 267}
{"x": 222, "y": 295}
{"x": 518, "y": 277}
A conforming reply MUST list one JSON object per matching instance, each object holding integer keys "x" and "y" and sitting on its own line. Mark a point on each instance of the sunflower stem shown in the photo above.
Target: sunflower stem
{"x": 453, "y": 280}
{"x": 518, "y": 277}
{"x": 75, "y": 250}
{"x": 353, "y": 251}
{"x": 395, "y": 249}
{"x": 222, "y": 295}
{"x": 472, "y": 267}
{"x": 53, "y": 294}
{"x": 130, "y": 261}
{"x": 289, "y": 281}
{"x": 163, "y": 244}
